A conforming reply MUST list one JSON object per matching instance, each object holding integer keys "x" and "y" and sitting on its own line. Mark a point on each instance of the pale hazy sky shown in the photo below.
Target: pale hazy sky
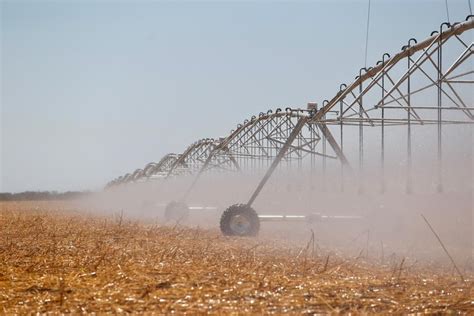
{"x": 93, "y": 89}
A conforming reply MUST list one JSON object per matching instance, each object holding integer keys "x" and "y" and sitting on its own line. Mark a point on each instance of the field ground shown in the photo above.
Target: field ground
{"x": 55, "y": 258}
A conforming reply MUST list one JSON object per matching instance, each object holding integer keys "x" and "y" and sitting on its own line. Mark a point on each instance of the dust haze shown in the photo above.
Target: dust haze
{"x": 385, "y": 208}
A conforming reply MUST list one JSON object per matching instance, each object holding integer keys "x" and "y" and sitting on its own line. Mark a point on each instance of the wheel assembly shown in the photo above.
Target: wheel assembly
{"x": 176, "y": 211}
{"x": 240, "y": 220}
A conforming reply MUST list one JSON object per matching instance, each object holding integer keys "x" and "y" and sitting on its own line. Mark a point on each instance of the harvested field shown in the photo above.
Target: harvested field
{"x": 55, "y": 258}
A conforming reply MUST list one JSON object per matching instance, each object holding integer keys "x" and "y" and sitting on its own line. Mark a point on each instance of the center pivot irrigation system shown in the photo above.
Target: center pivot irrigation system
{"x": 427, "y": 83}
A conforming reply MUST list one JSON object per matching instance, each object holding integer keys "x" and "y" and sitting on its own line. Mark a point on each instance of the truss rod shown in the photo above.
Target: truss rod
{"x": 456, "y": 29}
{"x": 301, "y": 123}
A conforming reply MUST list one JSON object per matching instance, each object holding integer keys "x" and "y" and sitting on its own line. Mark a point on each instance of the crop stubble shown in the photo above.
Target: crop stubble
{"x": 55, "y": 258}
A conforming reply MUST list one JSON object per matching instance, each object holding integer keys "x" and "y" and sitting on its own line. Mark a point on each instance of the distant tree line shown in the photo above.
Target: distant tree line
{"x": 43, "y": 195}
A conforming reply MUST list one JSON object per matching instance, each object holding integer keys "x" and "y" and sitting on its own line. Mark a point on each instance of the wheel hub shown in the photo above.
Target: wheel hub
{"x": 240, "y": 224}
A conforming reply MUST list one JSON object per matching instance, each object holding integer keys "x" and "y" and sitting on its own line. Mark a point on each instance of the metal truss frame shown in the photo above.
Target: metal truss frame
{"x": 425, "y": 83}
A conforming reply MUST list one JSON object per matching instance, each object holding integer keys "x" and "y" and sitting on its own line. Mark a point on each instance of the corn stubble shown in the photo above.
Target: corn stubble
{"x": 57, "y": 259}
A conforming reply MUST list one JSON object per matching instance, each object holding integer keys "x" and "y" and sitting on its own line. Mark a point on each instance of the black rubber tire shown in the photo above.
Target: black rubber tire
{"x": 176, "y": 211}
{"x": 240, "y": 210}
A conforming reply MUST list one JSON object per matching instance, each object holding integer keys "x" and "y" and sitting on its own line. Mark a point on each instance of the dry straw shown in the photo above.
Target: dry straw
{"x": 53, "y": 259}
